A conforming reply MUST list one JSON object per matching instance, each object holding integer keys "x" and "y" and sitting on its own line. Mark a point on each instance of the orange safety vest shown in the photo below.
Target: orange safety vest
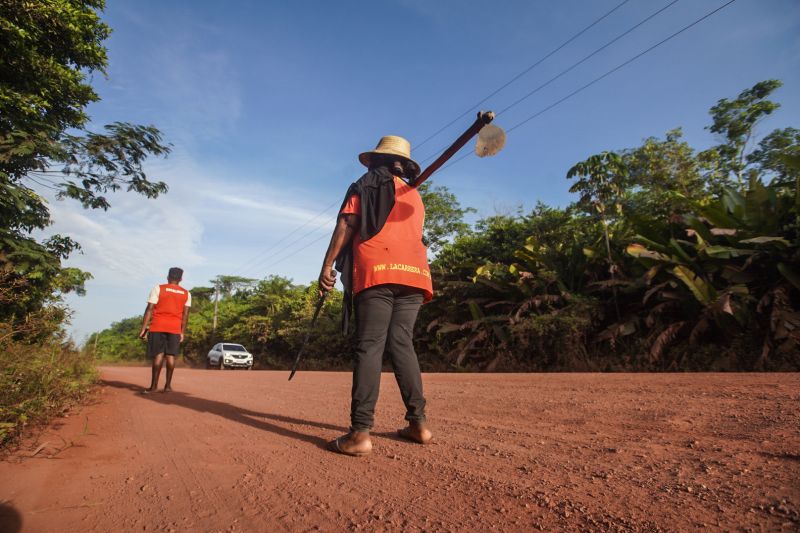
{"x": 395, "y": 254}
{"x": 168, "y": 311}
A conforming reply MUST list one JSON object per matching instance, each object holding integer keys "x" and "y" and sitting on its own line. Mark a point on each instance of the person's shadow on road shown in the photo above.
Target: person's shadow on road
{"x": 233, "y": 413}
{"x": 10, "y": 519}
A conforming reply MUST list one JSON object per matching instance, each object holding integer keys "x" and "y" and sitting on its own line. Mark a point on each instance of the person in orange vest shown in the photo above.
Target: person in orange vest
{"x": 377, "y": 246}
{"x": 168, "y": 307}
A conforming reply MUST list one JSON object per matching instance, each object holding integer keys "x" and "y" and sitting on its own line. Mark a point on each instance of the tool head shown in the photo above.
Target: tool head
{"x": 491, "y": 140}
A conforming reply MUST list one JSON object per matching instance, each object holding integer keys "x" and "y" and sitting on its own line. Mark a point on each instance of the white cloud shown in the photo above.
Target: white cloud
{"x": 279, "y": 212}
{"x": 135, "y": 238}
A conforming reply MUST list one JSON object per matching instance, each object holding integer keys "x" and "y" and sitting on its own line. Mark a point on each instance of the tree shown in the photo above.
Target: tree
{"x": 771, "y": 156}
{"x": 444, "y": 216}
{"x": 229, "y": 285}
{"x": 735, "y": 121}
{"x": 602, "y": 182}
{"x": 664, "y": 177}
{"x": 49, "y": 51}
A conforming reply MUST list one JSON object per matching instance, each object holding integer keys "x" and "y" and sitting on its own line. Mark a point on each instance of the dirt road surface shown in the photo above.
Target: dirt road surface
{"x": 244, "y": 451}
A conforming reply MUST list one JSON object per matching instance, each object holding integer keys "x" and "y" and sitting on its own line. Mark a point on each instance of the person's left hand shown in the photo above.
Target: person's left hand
{"x": 327, "y": 279}
{"x": 181, "y": 337}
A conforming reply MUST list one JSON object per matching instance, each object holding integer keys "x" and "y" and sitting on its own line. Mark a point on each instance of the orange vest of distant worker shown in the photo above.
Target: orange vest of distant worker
{"x": 168, "y": 309}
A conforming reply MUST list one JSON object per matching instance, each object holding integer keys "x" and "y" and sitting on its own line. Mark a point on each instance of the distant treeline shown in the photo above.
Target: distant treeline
{"x": 669, "y": 259}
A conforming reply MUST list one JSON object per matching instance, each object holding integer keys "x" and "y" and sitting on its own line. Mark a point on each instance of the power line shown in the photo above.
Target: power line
{"x": 603, "y": 76}
{"x": 576, "y": 64}
{"x": 525, "y": 71}
{"x": 621, "y": 65}
{"x": 295, "y": 241}
{"x": 609, "y": 43}
{"x": 323, "y": 236}
{"x": 46, "y": 186}
{"x": 249, "y": 264}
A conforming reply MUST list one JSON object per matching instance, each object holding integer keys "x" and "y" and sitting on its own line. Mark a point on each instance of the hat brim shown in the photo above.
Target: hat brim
{"x": 366, "y": 158}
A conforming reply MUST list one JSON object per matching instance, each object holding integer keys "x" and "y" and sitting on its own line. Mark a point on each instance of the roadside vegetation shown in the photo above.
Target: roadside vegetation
{"x": 671, "y": 258}
{"x": 50, "y": 50}
{"x": 42, "y": 371}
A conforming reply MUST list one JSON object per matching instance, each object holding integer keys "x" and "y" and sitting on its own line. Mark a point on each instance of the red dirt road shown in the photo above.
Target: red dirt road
{"x": 243, "y": 451}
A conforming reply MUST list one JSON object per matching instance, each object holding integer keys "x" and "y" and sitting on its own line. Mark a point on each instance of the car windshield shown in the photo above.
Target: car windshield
{"x": 233, "y": 347}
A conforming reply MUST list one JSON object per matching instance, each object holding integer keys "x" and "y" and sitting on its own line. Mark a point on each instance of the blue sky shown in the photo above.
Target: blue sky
{"x": 268, "y": 104}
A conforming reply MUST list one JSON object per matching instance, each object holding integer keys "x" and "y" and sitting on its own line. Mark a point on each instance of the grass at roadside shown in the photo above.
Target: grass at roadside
{"x": 38, "y": 381}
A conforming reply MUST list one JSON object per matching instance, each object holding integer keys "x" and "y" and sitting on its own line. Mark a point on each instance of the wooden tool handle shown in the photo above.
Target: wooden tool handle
{"x": 484, "y": 117}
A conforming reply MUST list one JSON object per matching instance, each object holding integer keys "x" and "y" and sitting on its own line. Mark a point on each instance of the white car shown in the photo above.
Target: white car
{"x": 227, "y": 355}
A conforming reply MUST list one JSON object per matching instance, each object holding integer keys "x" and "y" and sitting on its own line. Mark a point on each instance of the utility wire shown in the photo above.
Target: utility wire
{"x": 528, "y": 69}
{"x": 621, "y": 65}
{"x": 609, "y": 43}
{"x": 284, "y": 258}
{"x": 574, "y": 65}
{"x": 46, "y": 186}
{"x": 252, "y": 262}
{"x": 603, "y": 76}
{"x": 285, "y": 248}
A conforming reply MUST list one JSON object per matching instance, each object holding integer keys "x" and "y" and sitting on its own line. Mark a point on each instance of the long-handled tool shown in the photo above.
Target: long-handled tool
{"x": 317, "y": 309}
{"x": 490, "y": 141}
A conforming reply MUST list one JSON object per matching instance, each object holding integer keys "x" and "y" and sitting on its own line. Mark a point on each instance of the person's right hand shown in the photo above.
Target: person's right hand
{"x": 327, "y": 279}
{"x": 143, "y": 334}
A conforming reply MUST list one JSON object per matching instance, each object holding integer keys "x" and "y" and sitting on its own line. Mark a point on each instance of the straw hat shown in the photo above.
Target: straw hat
{"x": 391, "y": 145}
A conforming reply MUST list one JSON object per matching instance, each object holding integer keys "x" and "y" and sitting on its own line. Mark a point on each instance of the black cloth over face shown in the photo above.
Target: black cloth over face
{"x": 377, "y": 194}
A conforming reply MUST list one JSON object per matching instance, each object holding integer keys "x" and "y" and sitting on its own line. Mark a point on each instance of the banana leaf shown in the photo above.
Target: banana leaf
{"x": 766, "y": 240}
{"x": 681, "y": 252}
{"x": 639, "y": 251}
{"x": 702, "y": 291}
{"x": 702, "y": 232}
{"x": 726, "y": 252}
{"x": 718, "y": 216}
{"x": 653, "y": 245}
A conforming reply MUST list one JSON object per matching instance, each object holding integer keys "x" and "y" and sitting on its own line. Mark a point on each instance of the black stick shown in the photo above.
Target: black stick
{"x": 308, "y": 334}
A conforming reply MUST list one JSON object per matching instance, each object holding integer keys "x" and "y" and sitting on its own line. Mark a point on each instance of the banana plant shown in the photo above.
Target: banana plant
{"x": 738, "y": 261}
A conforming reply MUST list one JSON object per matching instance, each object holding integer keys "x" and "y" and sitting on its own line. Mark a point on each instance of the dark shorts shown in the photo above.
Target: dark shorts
{"x": 166, "y": 343}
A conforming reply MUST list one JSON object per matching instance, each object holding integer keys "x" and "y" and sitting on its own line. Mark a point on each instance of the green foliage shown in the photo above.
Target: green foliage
{"x": 444, "y": 216}
{"x": 659, "y": 264}
{"x": 775, "y": 154}
{"x": 38, "y": 381}
{"x": 120, "y": 342}
{"x": 50, "y": 50}
{"x": 40, "y": 371}
{"x": 737, "y": 269}
{"x": 228, "y": 285}
{"x": 664, "y": 178}
{"x": 734, "y": 121}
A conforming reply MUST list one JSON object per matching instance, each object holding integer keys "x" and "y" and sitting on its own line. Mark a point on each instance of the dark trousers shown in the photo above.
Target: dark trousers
{"x": 385, "y": 316}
